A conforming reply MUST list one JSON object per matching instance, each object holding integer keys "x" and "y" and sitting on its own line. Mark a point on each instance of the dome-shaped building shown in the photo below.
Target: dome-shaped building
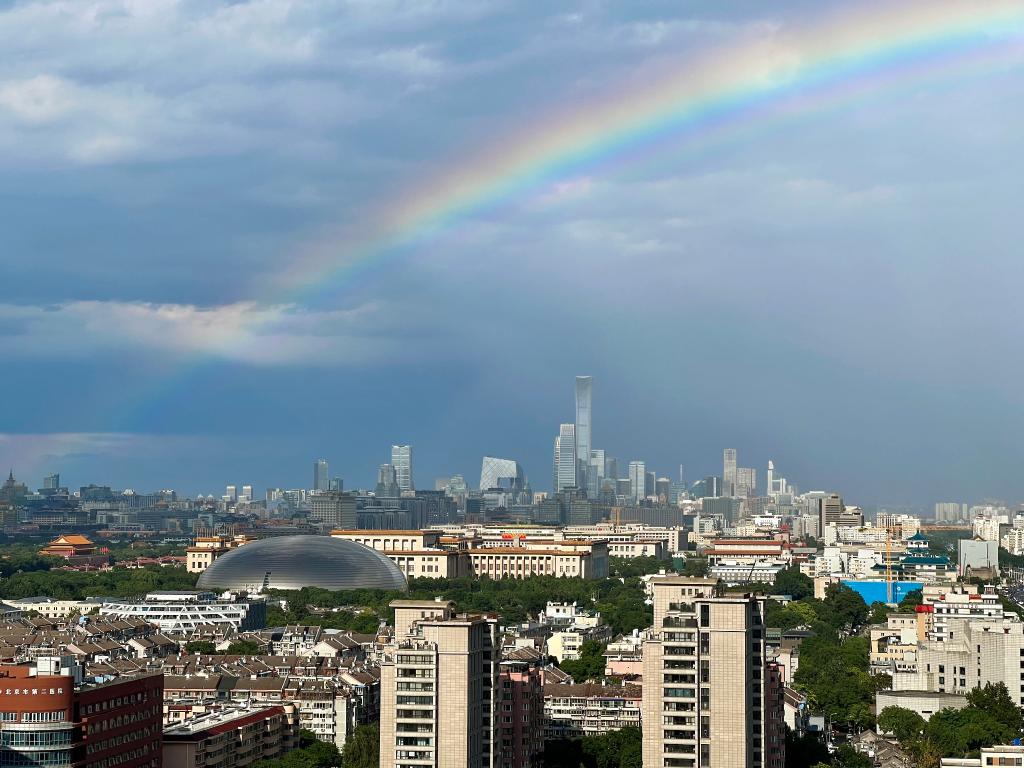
{"x": 294, "y": 562}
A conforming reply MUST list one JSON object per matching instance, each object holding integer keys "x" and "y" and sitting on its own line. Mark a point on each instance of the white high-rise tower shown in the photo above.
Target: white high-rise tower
{"x": 401, "y": 460}
{"x": 565, "y": 458}
{"x": 729, "y": 472}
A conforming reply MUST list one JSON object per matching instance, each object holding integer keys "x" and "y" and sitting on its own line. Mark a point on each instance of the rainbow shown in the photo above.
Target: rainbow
{"x": 859, "y": 50}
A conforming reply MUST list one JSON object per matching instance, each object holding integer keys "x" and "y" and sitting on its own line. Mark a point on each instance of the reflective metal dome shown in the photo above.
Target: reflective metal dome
{"x": 294, "y": 562}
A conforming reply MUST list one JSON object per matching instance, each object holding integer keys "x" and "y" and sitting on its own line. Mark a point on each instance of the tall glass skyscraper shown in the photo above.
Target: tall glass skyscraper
{"x": 565, "y": 458}
{"x": 401, "y": 460}
{"x": 729, "y": 471}
{"x": 584, "y": 395}
{"x": 638, "y": 480}
{"x": 320, "y": 475}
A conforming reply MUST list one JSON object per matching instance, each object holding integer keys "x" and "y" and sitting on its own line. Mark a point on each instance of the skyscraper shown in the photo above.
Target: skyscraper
{"x": 401, "y": 460}
{"x": 637, "y": 480}
{"x": 51, "y": 482}
{"x": 584, "y": 395}
{"x": 387, "y": 481}
{"x": 596, "y": 473}
{"x": 565, "y": 458}
{"x": 729, "y": 471}
{"x": 746, "y": 482}
{"x": 320, "y": 475}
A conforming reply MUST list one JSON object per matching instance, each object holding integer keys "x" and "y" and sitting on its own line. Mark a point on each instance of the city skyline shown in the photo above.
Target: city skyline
{"x": 413, "y": 224}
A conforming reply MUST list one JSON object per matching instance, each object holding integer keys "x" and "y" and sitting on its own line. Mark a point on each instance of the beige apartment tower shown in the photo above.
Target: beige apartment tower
{"x": 704, "y": 678}
{"x": 438, "y": 683}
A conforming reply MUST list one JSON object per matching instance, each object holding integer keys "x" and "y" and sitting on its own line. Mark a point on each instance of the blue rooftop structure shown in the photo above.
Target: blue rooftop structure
{"x": 875, "y": 591}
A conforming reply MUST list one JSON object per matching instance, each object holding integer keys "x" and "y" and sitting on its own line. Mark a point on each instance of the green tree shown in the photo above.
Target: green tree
{"x": 790, "y": 581}
{"x": 957, "y": 732}
{"x": 910, "y": 601}
{"x": 245, "y": 648}
{"x": 879, "y": 613}
{"x": 695, "y": 566}
{"x": 362, "y": 748}
{"x": 200, "y": 646}
{"x": 994, "y": 699}
{"x": 615, "y": 749}
{"x": 589, "y": 666}
{"x": 310, "y": 753}
{"x": 847, "y": 608}
{"x": 905, "y": 724}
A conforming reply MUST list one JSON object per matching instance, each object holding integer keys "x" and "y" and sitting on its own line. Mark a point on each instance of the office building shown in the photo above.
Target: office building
{"x": 331, "y": 509}
{"x": 230, "y": 493}
{"x": 729, "y": 471}
{"x": 584, "y": 396}
{"x": 52, "y": 718}
{"x": 51, "y": 482}
{"x": 704, "y": 678}
{"x": 246, "y": 494}
{"x": 637, "y": 481}
{"x": 499, "y": 473}
{"x": 401, "y": 460}
{"x": 611, "y": 468}
{"x": 746, "y": 482}
{"x": 438, "y": 687}
{"x": 565, "y": 458}
{"x": 595, "y": 475}
{"x": 830, "y": 509}
{"x": 650, "y": 479}
{"x": 387, "y": 483}
{"x": 321, "y": 473}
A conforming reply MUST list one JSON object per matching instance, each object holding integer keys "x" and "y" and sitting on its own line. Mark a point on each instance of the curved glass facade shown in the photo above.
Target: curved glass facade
{"x": 294, "y": 562}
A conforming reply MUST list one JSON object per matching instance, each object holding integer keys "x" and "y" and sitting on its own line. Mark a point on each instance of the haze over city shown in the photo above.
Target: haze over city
{"x": 199, "y": 289}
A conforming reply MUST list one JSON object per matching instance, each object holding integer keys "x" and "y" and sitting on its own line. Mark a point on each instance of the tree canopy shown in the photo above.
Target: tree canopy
{"x": 590, "y": 665}
{"x": 990, "y": 717}
{"x": 615, "y": 749}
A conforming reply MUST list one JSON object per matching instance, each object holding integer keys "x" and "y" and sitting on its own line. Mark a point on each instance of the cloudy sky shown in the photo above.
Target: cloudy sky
{"x": 834, "y": 284}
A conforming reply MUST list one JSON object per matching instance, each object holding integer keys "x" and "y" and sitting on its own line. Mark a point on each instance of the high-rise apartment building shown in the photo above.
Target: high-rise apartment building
{"x": 401, "y": 460}
{"x": 320, "y": 475}
{"x": 704, "y": 678}
{"x": 584, "y": 395}
{"x": 438, "y": 688}
{"x": 565, "y": 458}
{"x": 729, "y": 472}
{"x": 949, "y": 511}
{"x": 638, "y": 480}
{"x": 520, "y": 714}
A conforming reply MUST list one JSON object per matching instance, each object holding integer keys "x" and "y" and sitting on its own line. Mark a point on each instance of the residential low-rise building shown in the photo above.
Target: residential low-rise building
{"x": 1012, "y": 754}
{"x": 232, "y": 738}
{"x": 588, "y": 709}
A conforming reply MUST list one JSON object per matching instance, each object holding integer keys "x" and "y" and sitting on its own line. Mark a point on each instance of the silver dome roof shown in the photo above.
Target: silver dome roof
{"x": 294, "y": 562}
